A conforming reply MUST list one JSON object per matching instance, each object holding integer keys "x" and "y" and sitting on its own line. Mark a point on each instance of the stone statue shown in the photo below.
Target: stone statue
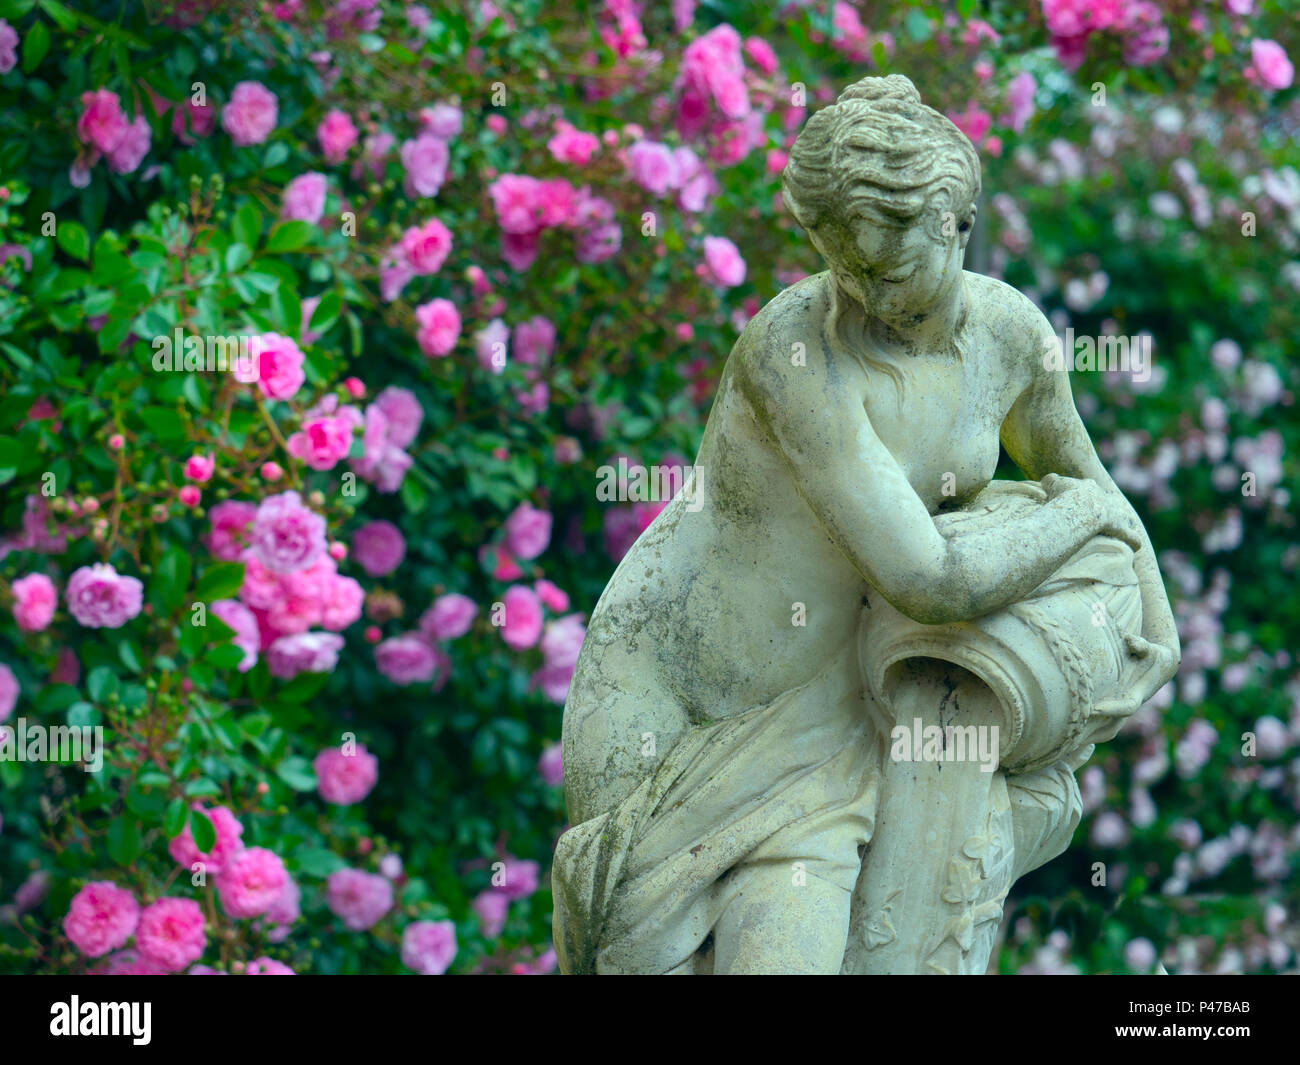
{"x": 824, "y": 720}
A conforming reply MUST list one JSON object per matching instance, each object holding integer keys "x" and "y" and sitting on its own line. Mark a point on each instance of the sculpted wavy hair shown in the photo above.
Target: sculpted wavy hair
{"x": 879, "y": 153}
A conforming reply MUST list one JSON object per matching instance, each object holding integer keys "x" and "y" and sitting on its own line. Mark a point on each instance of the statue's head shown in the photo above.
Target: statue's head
{"x": 886, "y": 188}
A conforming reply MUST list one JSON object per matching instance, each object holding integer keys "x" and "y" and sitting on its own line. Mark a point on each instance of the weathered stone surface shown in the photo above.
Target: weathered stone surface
{"x": 840, "y": 577}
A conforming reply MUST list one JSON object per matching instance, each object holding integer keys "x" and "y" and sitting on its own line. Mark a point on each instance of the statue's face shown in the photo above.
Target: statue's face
{"x": 897, "y": 274}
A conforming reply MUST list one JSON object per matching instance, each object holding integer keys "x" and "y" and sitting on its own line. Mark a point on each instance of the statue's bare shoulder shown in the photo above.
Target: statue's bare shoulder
{"x": 1014, "y": 319}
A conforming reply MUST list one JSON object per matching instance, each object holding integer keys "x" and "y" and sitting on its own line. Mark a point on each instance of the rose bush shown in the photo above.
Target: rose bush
{"x": 319, "y": 321}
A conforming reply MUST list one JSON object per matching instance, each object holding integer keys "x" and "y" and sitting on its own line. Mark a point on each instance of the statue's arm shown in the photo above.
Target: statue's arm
{"x": 868, "y": 508}
{"x": 1044, "y": 434}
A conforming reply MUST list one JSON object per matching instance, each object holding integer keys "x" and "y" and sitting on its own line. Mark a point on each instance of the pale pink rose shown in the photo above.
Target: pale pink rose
{"x": 199, "y": 467}
{"x": 491, "y": 346}
{"x": 127, "y": 963}
{"x": 102, "y": 125}
{"x": 171, "y": 933}
{"x": 286, "y": 536}
{"x": 562, "y": 641}
{"x": 406, "y": 659}
{"x": 1271, "y": 63}
{"x": 439, "y": 327}
{"x": 1020, "y": 100}
{"x": 653, "y": 166}
{"x": 99, "y": 598}
{"x": 345, "y": 778}
{"x": 265, "y": 966}
{"x": 403, "y": 413}
{"x": 519, "y": 879}
{"x": 428, "y": 947}
{"x": 522, "y": 627}
{"x": 229, "y": 843}
{"x": 304, "y": 198}
{"x": 341, "y": 603}
{"x": 379, "y": 547}
{"x": 336, "y": 134}
{"x": 326, "y": 435}
{"x": 723, "y": 261}
{"x": 425, "y": 161}
{"x": 278, "y": 365}
{"x": 284, "y": 911}
{"x": 534, "y": 340}
{"x": 449, "y": 617}
{"x": 360, "y": 899}
{"x": 425, "y": 248}
{"x": 558, "y": 203}
{"x": 35, "y": 599}
{"x": 8, "y": 47}
{"x": 229, "y": 533}
{"x": 394, "y": 274}
{"x": 306, "y": 652}
{"x": 553, "y": 681}
{"x": 975, "y": 122}
{"x": 491, "y": 907}
{"x": 528, "y": 531}
{"x": 443, "y": 120}
{"x": 251, "y": 113}
{"x": 551, "y": 765}
{"x": 251, "y": 882}
{"x": 9, "y": 691}
{"x": 129, "y": 152}
{"x": 247, "y": 635}
{"x": 190, "y": 120}
{"x": 100, "y": 918}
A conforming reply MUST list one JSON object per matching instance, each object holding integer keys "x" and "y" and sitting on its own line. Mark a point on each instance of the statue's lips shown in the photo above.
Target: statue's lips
{"x": 1048, "y": 659}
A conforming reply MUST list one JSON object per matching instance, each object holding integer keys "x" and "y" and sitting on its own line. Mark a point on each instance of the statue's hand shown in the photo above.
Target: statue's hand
{"x": 1150, "y": 667}
{"x": 1107, "y": 513}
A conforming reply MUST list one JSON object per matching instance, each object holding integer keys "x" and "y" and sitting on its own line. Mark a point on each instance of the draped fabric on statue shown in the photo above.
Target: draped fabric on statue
{"x": 638, "y": 889}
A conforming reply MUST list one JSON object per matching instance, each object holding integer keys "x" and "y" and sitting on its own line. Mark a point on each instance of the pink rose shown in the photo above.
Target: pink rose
{"x": 244, "y": 623}
{"x": 35, "y": 598}
{"x": 724, "y": 261}
{"x": 305, "y": 652}
{"x": 345, "y": 778}
{"x": 277, "y": 364}
{"x": 336, "y": 134}
{"x": 304, "y": 198}
{"x": 552, "y": 597}
{"x": 251, "y": 114}
{"x": 572, "y": 146}
{"x": 439, "y": 327}
{"x": 129, "y": 152}
{"x": 428, "y": 947}
{"x": 102, "y": 124}
{"x": 448, "y": 618}
{"x": 100, "y": 918}
{"x": 379, "y": 547}
{"x": 403, "y": 413}
{"x": 326, "y": 435}
{"x": 171, "y": 933}
{"x": 425, "y": 248}
{"x": 528, "y": 531}
{"x": 265, "y": 966}
{"x": 442, "y": 120}
{"x": 251, "y": 882}
{"x": 99, "y": 598}
{"x": 491, "y": 907}
{"x": 406, "y": 659}
{"x": 522, "y": 626}
{"x": 230, "y": 521}
{"x": 341, "y": 603}
{"x": 199, "y": 468}
{"x": 425, "y": 161}
{"x": 286, "y": 536}
{"x": 8, "y": 47}
{"x": 551, "y": 765}
{"x": 653, "y": 166}
{"x": 491, "y": 346}
{"x": 519, "y": 879}
{"x": 515, "y": 198}
{"x": 1270, "y": 62}
{"x": 9, "y": 691}
{"x": 534, "y": 340}
{"x": 562, "y": 641}
{"x": 360, "y": 899}
{"x": 228, "y": 843}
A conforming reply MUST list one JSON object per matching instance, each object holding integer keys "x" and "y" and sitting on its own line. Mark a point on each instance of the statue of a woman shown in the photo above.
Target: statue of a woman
{"x": 838, "y": 568}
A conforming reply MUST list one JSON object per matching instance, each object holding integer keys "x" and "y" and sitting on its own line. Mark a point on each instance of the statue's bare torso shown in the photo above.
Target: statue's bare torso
{"x": 671, "y": 644}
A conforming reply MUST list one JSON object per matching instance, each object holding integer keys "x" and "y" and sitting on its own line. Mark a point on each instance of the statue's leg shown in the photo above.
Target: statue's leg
{"x": 779, "y": 922}
{"x": 929, "y": 897}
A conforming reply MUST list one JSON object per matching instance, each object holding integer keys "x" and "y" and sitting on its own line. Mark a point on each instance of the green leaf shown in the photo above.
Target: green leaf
{"x": 247, "y": 225}
{"x": 221, "y": 580}
{"x": 290, "y": 236}
{"x": 225, "y": 656}
{"x": 297, "y": 772}
{"x": 63, "y": 18}
{"x": 317, "y": 861}
{"x": 124, "y": 843}
{"x": 74, "y": 239}
{"x": 302, "y": 687}
{"x": 171, "y": 580}
{"x": 326, "y": 312}
{"x": 101, "y": 683}
{"x": 174, "y": 818}
{"x": 35, "y": 45}
{"x": 203, "y": 831}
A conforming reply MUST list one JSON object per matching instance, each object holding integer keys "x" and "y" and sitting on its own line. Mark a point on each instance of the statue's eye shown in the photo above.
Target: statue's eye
{"x": 894, "y": 280}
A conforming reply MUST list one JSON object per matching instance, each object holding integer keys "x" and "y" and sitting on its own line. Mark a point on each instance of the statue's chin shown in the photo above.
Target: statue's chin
{"x": 1048, "y": 659}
